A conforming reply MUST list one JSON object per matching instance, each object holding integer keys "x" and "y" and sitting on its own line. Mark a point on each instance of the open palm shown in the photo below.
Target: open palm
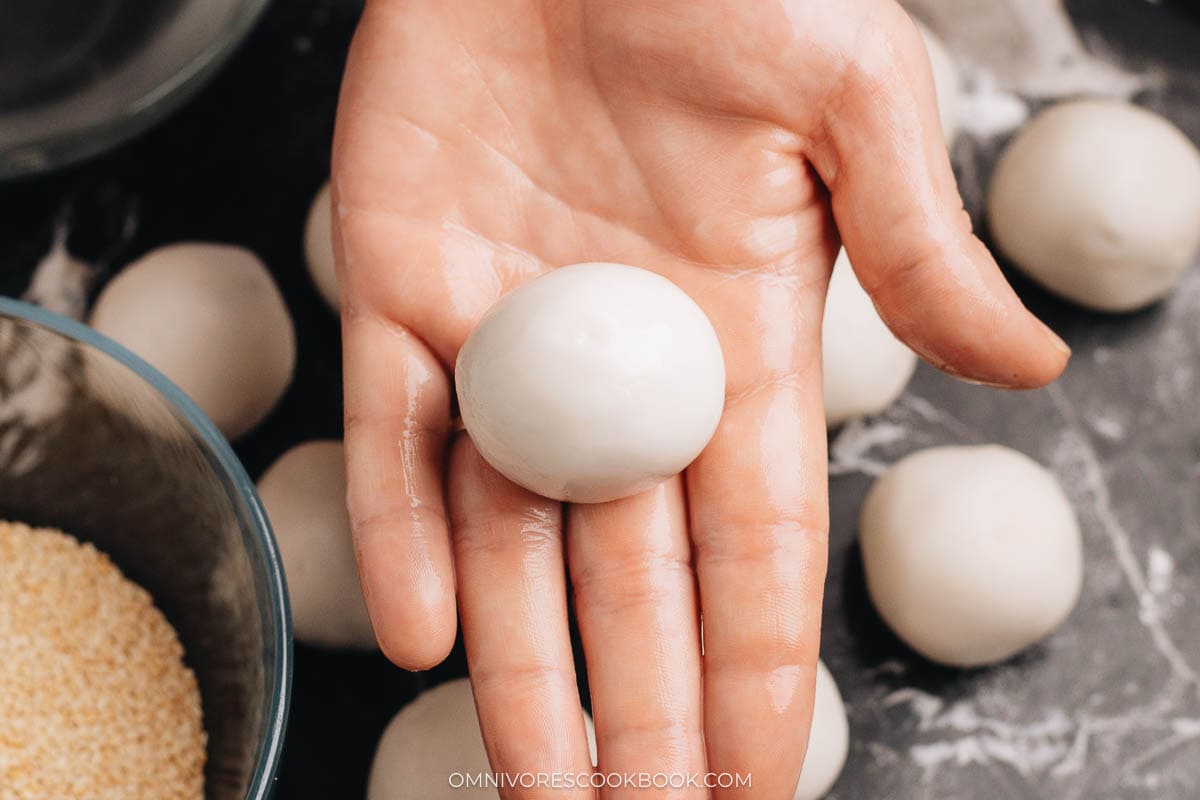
{"x": 482, "y": 143}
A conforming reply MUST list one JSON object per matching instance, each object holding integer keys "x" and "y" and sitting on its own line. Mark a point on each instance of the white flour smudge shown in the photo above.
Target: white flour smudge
{"x": 1029, "y": 47}
{"x": 1109, "y": 428}
{"x": 890, "y": 667}
{"x": 1160, "y": 569}
{"x": 35, "y": 391}
{"x": 1027, "y": 748}
{"x": 60, "y": 281}
{"x": 848, "y": 453}
{"x": 1076, "y": 457}
{"x": 1076, "y": 758}
{"x": 35, "y": 384}
{"x": 1025, "y": 757}
{"x": 1054, "y": 745}
{"x": 984, "y": 110}
{"x": 1011, "y": 53}
{"x": 1183, "y": 732}
{"x": 925, "y": 705}
{"x": 882, "y": 755}
{"x": 928, "y": 412}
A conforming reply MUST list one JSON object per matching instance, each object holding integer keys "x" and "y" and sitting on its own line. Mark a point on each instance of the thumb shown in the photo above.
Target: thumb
{"x": 902, "y": 221}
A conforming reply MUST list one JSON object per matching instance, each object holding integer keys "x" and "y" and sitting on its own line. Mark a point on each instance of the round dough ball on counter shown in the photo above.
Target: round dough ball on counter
{"x": 210, "y": 318}
{"x": 971, "y": 553}
{"x": 304, "y": 494}
{"x": 946, "y": 80}
{"x": 1099, "y": 201}
{"x": 828, "y": 740}
{"x": 318, "y": 247}
{"x": 432, "y": 737}
{"x": 592, "y": 382}
{"x": 865, "y": 366}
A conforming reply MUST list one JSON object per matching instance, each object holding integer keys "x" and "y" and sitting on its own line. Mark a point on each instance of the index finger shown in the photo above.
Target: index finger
{"x": 397, "y": 422}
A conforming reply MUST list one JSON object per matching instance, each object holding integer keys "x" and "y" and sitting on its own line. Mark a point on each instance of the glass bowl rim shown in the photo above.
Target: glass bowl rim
{"x": 80, "y": 142}
{"x": 279, "y": 693}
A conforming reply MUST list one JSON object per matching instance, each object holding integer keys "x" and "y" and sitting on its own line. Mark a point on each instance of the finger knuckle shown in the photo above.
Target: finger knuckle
{"x": 624, "y": 585}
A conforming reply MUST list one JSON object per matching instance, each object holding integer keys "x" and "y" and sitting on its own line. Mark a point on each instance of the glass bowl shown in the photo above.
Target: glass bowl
{"x": 77, "y": 78}
{"x": 96, "y": 442}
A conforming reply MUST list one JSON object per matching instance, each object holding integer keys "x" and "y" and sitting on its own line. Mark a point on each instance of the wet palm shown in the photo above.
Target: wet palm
{"x": 715, "y": 141}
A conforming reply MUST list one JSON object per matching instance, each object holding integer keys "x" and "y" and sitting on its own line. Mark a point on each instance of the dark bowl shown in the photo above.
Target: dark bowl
{"x": 77, "y": 78}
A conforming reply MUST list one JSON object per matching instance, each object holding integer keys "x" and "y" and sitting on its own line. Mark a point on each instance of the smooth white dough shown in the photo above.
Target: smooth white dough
{"x": 436, "y": 735}
{"x": 865, "y": 367}
{"x": 304, "y": 494}
{"x": 1099, "y": 201}
{"x": 946, "y": 80}
{"x": 828, "y": 740}
{"x": 592, "y": 382}
{"x": 318, "y": 247}
{"x": 210, "y": 318}
{"x": 971, "y": 553}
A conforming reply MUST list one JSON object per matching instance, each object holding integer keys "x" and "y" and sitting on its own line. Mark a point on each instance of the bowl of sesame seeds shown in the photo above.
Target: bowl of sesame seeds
{"x": 145, "y": 639}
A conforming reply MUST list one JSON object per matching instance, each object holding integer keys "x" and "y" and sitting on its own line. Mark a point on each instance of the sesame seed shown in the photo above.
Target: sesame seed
{"x": 95, "y": 700}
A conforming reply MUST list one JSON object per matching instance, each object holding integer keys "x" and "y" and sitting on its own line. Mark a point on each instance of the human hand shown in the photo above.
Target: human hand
{"x": 718, "y": 142}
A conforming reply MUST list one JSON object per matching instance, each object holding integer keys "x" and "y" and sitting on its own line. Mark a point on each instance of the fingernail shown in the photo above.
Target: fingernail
{"x": 981, "y": 382}
{"x": 1055, "y": 339}
{"x": 958, "y": 375}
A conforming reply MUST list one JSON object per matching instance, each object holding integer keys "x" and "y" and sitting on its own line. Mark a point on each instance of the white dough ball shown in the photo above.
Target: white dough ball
{"x": 1099, "y": 201}
{"x": 828, "y": 740}
{"x": 209, "y": 317}
{"x": 865, "y": 367}
{"x": 592, "y": 382}
{"x": 304, "y": 494}
{"x": 946, "y": 81}
{"x": 318, "y": 247}
{"x": 431, "y": 738}
{"x": 971, "y": 553}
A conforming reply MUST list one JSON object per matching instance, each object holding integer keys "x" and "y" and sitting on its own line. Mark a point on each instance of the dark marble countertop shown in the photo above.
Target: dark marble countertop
{"x": 1108, "y": 707}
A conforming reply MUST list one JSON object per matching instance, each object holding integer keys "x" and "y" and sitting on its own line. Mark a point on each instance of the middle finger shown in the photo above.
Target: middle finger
{"x": 513, "y": 602}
